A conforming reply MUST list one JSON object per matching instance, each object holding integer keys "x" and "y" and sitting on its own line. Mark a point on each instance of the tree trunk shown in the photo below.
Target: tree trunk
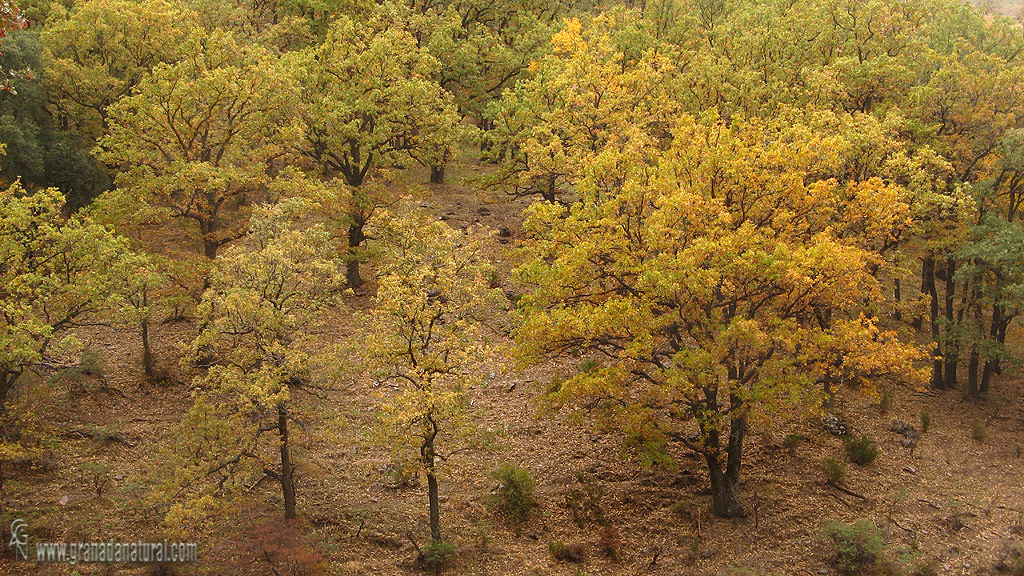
{"x": 928, "y": 286}
{"x": 724, "y": 490}
{"x": 952, "y": 339}
{"x": 6, "y": 383}
{"x": 355, "y": 240}
{"x": 437, "y": 174}
{"x": 897, "y": 299}
{"x": 991, "y": 364}
{"x": 287, "y": 469}
{"x": 432, "y": 493}
{"x": 147, "y": 352}
{"x": 208, "y": 228}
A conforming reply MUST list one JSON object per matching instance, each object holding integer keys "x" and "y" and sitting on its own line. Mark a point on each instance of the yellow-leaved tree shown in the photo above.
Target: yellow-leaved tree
{"x": 56, "y": 275}
{"x": 102, "y": 49}
{"x": 426, "y": 339}
{"x": 728, "y": 285}
{"x": 255, "y": 354}
{"x": 594, "y": 93}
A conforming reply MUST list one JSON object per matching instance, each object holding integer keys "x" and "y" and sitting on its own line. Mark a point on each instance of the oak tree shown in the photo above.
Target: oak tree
{"x": 720, "y": 289}
{"x": 426, "y": 339}
{"x": 255, "y": 356}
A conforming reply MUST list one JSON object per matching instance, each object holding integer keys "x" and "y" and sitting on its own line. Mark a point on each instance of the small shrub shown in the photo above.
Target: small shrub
{"x": 584, "y": 501}
{"x": 928, "y": 568}
{"x": 280, "y": 546}
{"x": 978, "y": 432}
{"x": 401, "y": 476}
{"x": 514, "y": 496}
{"x": 885, "y": 402}
{"x": 608, "y": 542}
{"x": 436, "y": 553}
{"x": 834, "y": 470}
{"x": 858, "y": 547}
{"x": 98, "y": 474}
{"x": 793, "y": 441}
{"x": 1011, "y": 560}
{"x": 566, "y": 552}
{"x": 861, "y": 450}
{"x": 588, "y": 365}
{"x": 1018, "y": 451}
{"x": 926, "y": 421}
{"x": 493, "y": 279}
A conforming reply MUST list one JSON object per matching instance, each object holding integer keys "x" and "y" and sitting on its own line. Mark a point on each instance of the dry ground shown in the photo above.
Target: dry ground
{"x": 954, "y": 499}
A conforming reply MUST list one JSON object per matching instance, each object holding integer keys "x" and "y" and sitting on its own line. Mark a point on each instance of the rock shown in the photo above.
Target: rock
{"x": 905, "y": 429}
{"x": 504, "y": 232}
{"x": 908, "y": 442}
{"x": 533, "y": 535}
{"x": 834, "y": 425}
{"x": 483, "y": 211}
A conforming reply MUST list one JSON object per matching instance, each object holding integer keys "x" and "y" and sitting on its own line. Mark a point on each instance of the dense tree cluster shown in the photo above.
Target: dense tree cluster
{"x": 739, "y": 209}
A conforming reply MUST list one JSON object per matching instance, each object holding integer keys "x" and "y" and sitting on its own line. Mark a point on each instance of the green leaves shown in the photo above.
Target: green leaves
{"x": 369, "y": 99}
{"x": 201, "y": 132}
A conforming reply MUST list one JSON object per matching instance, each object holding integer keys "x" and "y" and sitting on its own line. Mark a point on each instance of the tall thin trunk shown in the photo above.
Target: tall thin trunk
{"x": 975, "y": 358}
{"x": 897, "y": 299}
{"x": 928, "y": 286}
{"x": 433, "y": 498}
{"x": 287, "y": 469}
{"x": 952, "y": 339}
{"x": 991, "y": 364}
{"x": 147, "y": 352}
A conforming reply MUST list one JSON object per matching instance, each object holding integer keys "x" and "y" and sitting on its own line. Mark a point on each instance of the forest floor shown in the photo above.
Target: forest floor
{"x": 956, "y": 499}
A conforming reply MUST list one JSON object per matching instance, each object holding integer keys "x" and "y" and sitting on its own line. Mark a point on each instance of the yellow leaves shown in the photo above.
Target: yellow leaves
{"x": 721, "y": 271}
{"x": 426, "y": 341}
{"x": 569, "y": 40}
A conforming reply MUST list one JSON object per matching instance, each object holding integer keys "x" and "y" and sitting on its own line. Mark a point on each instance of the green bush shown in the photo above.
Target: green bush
{"x": 861, "y": 450}
{"x": 584, "y": 501}
{"x": 926, "y": 421}
{"x": 514, "y": 496}
{"x": 858, "y": 547}
{"x": 834, "y": 470}
{"x": 793, "y": 441}
{"x": 885, "y": 401}
{"x": 978, "y": 432}
{"x": 566, "y": 552}
{"x": 437, "y": 553}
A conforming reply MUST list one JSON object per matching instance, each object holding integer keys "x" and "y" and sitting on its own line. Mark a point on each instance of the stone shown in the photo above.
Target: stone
{"x": 834, "y": 425}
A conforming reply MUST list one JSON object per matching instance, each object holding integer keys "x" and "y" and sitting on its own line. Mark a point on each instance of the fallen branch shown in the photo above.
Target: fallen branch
{"x": 848, "y": 491}
{"x": 103, "y": 435}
